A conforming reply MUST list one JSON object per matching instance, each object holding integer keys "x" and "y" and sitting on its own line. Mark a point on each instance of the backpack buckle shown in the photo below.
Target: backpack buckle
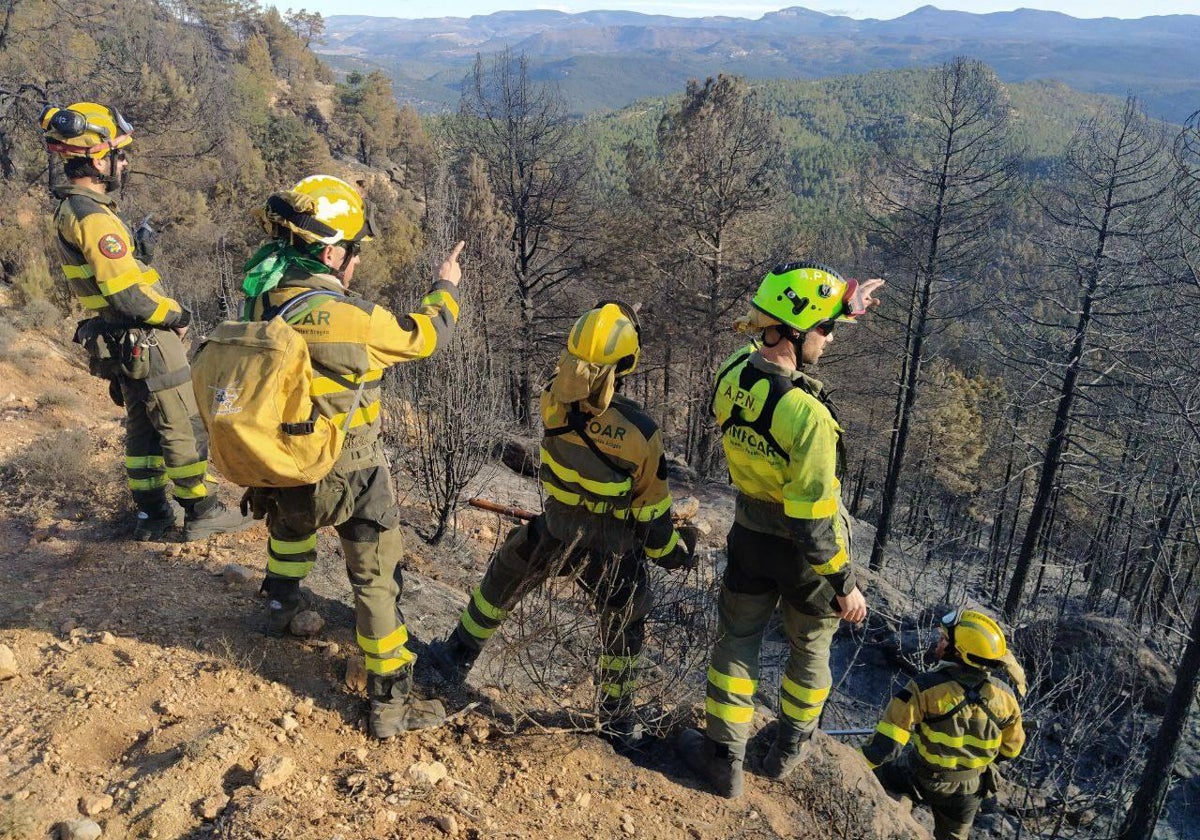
{"x": 297, "y": 429}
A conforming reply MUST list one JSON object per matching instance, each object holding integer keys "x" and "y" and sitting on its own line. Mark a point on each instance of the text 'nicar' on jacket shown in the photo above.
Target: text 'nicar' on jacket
{"x": 783, "y": 447}
{"x": 352, "y": 341}
{"x": 958, "y": 719}
{"x": 99, "y": 263}
{"x": 573, "y": 474}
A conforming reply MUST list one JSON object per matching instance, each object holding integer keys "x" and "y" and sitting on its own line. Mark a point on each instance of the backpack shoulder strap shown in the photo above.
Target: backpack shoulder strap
{"x": 577, "y": 420}
{"x": 295, "y": 308}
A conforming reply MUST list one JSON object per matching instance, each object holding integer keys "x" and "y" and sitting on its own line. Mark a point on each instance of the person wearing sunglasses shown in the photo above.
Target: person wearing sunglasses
{"x": 134, "y": 337}
{"x": 957, "y": 720}
{"x": 607, "y": 511}
{"x": 790, "y": 540}
{"x": 316, "y": 231}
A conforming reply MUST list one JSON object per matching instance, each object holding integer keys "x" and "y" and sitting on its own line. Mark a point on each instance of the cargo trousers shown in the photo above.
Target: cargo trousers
{"x": 954, "y": 797}
{"x": 762, "y": 571}
{"x": 165, "y": 440}
{"x": 358, "y": 500}
{"x": 617, "y": 582}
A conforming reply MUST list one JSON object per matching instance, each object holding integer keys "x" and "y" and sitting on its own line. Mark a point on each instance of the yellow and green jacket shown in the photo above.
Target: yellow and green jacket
{"x": 784, "y": 450}
{"x": 579, "y": 481}
{"x": 351, "y": 342}
{"x": 958, "y": 719}
{"x": 101, "y": 269}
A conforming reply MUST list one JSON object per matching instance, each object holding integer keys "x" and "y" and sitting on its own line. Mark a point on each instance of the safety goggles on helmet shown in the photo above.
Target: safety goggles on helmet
{"x": 63, "y": 125}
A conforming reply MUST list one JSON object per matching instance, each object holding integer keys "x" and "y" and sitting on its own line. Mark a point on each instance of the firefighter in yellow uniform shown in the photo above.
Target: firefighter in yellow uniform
{"x": 790, "y": 539}
{"x": 959, "y": 718}
{"x": 607, "y": 510}
{"x": 316, "y": 230}
{"x": 134, "y": 338}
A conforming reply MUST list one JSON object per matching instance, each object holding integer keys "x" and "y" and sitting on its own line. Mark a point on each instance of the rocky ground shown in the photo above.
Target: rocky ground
{"x": 140, "y": 699}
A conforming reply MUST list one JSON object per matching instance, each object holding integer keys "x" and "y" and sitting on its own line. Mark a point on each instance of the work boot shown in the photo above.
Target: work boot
{"x": 785, "y": 754}
{"x": 716, "y": 763}
{"x": 452, "y": 658}
{"x": 393, "y": 711}
{"x": 206, "y": 520}
{"x": 625, "y": 732}
{"x": 150, "y": 526}
{"x": 284, "y": 602}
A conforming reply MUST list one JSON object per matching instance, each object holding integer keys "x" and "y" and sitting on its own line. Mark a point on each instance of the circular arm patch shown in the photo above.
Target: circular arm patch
{"x": 113, "y": 246}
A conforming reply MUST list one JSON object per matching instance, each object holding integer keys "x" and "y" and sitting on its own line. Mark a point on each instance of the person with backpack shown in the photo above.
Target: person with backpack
{"x": 959, "y": 718}
{"x": 317, "y": 229}
{"x": 790, "y": 538}
{"x": 607, "y": 511}
{"x": 134, "y": 338}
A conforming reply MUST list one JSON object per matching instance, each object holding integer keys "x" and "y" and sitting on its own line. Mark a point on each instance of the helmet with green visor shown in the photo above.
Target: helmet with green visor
{"x": 808, "y": 295}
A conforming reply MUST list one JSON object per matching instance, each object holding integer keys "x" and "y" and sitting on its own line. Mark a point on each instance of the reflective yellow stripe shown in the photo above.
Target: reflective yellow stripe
{"x": 387, "y": 666}
{"x": 890, "y": 730}
{"x": 799, "y": 713}
{"x": 833, "y": 564}
{"x": 78, "y": 272}
{"x": 143, "y": 462}
{"x": 323, "y": 385}
{"x": 611, "y": 489}
{"x": 569, "y": 498}
{"x": 805, "y": 695}
{"x": 181, "y": 491}
{"x": 152, "y": 483}
{"x": 471, "y": 626}
{"x": 481, "y": 604}
{"x": 810, "y": 510}
{"x": 442, "y": 298}
{"x": 935, "y": 737}
{"x": 188, "y": 470}
{"x": 618, "y": 663}
{"x": 294, "y": 569}
{"x": 293, "y": 546}
{"x": 650, "y": 512}
{"x": 387, "y": 644}
{"x": 726, "y": 712}
{"x": 952, "y": 762}
{"x": 121, "y": 282}
{"x": 734, "y": 685}
{"x": 160, "y": 312}
{"x": 362, "y": 416}
{"x": 655, "y": 553}
{"x": 93, "y": 302}
{"x": 619, "y": 690}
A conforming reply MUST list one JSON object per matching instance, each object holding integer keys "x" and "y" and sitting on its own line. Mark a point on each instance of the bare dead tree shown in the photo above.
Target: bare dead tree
{"x": 943, "y": 187}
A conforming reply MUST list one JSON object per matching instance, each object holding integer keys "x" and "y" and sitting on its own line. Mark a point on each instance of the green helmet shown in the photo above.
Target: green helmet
{"x": 803, "y": 295}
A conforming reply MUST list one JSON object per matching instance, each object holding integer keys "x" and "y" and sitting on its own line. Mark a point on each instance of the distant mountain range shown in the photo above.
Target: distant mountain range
{"x": 604, "y": 60}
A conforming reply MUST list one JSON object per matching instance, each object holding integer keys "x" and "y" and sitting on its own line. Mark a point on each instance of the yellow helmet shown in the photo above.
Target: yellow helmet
{"x": 85, "y": 129}
{"x": 319, "y": 209}
{"x": 609, "y": 334}
{"x": 975, "y": 638}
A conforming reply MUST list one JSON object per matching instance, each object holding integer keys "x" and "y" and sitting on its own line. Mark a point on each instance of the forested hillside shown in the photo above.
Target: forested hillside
{"x": 1022, "y": 413}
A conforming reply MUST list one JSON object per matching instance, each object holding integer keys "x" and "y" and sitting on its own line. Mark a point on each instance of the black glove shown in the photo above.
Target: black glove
{"x": 683, "y": 556}
{"x": 114, "y": 392}
{"x": 145, "y": 241}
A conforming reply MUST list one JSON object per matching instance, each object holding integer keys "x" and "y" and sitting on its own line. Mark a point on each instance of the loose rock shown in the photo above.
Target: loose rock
{"x": 8, "y": 663}
{"x": 212, "y": 807}
{"x": 238, "y": 575}
{"x": 78, "y": 830}
{"x": 448, "y": 824}
{"x": 273, "y": 771}
{"x": 304, "y": 708}
{"x": 627, "y": 824}
{"x": 107, "y": 638}
{"x": 356, "y": 674}
{"x": 428, "y": 772}
{"x": 306, "y": 623}
{"x": 95, "y": 803}
{"x": 289, "y": 724}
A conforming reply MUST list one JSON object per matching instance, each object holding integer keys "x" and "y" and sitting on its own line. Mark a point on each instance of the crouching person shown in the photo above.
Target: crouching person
{"x": 317, "y": 229}
{"x": 958, "y": 719}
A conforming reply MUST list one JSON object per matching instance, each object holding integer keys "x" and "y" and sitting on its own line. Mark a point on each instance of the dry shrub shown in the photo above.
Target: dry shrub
{"x": 40, "y": 314}
{"x": 58, "y": 463}
{"x": 8, "y": 341}
{"x": 58, "y": 397}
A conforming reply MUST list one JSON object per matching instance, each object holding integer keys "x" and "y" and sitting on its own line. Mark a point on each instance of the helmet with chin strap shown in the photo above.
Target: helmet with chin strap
{"x": 85, "y": 129}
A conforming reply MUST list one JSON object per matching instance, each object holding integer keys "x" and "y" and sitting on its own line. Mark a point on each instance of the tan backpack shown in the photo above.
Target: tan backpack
{"x": 253, "y": 383}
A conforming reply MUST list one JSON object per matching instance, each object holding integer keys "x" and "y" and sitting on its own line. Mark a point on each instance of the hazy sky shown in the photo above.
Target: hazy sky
{"x": 740, "y": 8}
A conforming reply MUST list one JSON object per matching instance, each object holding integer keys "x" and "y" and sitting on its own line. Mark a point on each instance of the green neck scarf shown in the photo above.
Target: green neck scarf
{"x": 266, "y": 268}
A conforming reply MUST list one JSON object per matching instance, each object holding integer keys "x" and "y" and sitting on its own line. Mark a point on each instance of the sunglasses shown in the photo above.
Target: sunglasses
{"x": 353, "y": 248}
{"x": 825, "y": 328}
{"x": 121, "y": 156}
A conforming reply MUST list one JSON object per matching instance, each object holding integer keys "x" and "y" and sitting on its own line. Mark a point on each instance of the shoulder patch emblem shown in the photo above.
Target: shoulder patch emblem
{"x": 112, "y": 246}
